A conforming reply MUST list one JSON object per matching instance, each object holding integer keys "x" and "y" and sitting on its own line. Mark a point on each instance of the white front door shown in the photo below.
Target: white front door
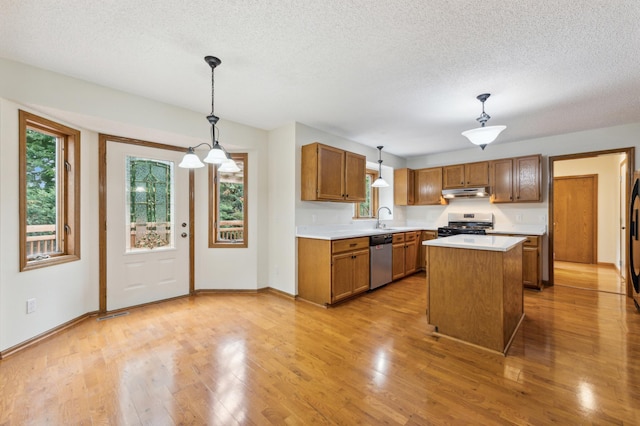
{"x": 147, "y": 225}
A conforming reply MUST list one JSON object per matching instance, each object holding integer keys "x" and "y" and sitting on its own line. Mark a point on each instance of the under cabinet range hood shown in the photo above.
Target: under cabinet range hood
{"x": 481, "y": 191}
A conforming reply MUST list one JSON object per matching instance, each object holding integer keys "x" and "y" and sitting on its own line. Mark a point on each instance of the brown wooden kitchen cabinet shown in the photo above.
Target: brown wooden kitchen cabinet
{"x": 531, "y": 261}
{"x": 516, "y": 180}
{"x": 405, "y": 253}
{"x": 331, "y": 271}
{"x": 422, "y": 257}
{"x": 412, "y": 241}
{"x": 527, "y": 178}
{"x": 465, "y": 175}
{"x": 403, "y": 187}
{"x": 398, "y": 256}
{"x": 332, "y": 174}
{"x": 502, "y": 181}
{"x": 428, "y": 184}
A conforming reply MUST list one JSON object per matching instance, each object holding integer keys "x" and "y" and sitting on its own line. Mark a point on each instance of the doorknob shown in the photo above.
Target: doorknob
{"x": 183, "y": 235}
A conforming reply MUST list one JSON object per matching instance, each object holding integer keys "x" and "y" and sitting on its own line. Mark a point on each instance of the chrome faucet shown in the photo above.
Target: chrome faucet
{"x": 378, "y": 215}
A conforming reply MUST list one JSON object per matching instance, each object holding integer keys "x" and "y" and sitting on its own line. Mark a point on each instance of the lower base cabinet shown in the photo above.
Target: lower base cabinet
{"x": 405, "y": 253}
{"x": 531, "y": 261}
{"x": 331, "y": 271}
{"x": 426, "y": 236}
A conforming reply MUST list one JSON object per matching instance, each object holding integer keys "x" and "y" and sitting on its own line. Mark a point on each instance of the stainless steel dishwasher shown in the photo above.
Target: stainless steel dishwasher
{"x": 381, "y": 251}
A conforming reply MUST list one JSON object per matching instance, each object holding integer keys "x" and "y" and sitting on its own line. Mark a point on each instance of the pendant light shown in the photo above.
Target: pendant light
{"x": 217, "y": 154}
{"x": 380, "y": 183}
{"x": 482, "y": 136}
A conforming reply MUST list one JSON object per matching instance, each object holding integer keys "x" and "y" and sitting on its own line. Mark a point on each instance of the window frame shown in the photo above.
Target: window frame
{"x": 68, "y": 193}
{"x": 213, "y": 204}
{"x": 374, "y": 198}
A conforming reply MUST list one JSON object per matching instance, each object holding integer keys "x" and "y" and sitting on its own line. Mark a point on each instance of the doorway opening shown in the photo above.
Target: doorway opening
{"x": 588, "y": 198}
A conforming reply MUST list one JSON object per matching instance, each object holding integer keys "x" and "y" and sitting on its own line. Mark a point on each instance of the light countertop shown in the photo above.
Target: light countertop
{"x": 338, "y": 234}
{"x": 476, "y": 242}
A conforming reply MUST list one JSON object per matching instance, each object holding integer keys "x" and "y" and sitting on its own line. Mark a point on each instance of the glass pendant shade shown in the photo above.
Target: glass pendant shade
{"x": 191, "y": 161}
{"x": 483, "y": 135}
{"x": 380, "y": 183}
{"x": 216, "y": 155}
{"x": 229, "y": 166}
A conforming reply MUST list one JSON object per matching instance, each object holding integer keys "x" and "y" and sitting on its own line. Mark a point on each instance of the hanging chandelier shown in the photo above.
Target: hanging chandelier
{"x": 380, "y": 183}
{"x": 217, "y": 154}
{"x": 483, "y": 136}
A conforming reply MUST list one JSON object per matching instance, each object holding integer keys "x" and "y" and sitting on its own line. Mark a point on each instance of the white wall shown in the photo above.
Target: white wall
{"x": 607, "y": 167}
{"x": 62, "y": 292}
{"x": 67, "y": 291}
{"x": 235, "y": 268}
{"x": 281, "y": 191}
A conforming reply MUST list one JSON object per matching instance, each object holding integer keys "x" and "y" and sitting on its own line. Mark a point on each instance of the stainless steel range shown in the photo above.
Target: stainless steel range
{"x": 467, "y": 223}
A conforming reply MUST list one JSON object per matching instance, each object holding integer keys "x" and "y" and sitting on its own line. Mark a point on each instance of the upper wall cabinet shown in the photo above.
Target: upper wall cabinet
{"x": 403, "y": 187}
{"x": 516, "y": 180}
{"x": 429, "y": 186}
{"x": 332, "y": 174}
{"x": 465, "y": 175}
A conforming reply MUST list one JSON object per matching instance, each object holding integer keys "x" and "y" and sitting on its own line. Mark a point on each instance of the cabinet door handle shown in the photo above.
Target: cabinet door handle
{"x": 353, "y": 244}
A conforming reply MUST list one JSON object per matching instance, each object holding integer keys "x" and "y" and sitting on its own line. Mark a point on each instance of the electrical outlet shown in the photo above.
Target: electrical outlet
{"x": 31, "y": 306}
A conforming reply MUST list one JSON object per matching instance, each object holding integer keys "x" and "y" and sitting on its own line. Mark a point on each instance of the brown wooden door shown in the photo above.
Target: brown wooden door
{"x": 331, "y": 173}
{"x": 453, "y": 176}
{"x": 530, "y": 266}
{"x": 575, "y": 218}
{"x": 398, "y": 261}
{"x": 502, "y": 181}
{"x": 354, "y": 181}
{"x": 360, "y": 271}
{"x": 428, "y": 186}
{"x": 341, "y": 276}
{"x": 476, "y": 174}
{"x": 403, "y": 187}
{"x": 410, "y": 257}
{"x": 527, "y": 178}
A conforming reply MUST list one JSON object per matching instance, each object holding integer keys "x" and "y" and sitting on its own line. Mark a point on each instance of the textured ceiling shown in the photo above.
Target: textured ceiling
{"x": 402, "y": 73}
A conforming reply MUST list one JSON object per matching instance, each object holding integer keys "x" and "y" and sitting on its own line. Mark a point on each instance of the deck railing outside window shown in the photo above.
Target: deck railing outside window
{"x": 231, "y": 230}
{"x": 41, "y": 240}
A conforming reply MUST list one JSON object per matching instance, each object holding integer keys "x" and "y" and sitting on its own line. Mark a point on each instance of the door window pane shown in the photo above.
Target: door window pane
{"x": 150, "y": 204}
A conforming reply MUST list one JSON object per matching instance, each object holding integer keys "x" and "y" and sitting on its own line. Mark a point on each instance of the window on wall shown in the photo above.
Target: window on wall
{"x": 228, "y": 205}
{"x": 368, "y": 208}
{"x": 49, "y": 167}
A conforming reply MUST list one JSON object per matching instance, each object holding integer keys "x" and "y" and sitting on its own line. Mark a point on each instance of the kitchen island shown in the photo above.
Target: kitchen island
{"x": 474, "y": 289}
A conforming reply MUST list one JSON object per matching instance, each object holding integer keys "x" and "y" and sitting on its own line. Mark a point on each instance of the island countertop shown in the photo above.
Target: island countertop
{"x": 476, "y": 242}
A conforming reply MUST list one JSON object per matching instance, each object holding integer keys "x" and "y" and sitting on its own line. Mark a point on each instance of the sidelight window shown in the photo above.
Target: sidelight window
{"x": 49, "y": 203}
{"x": 228, "y": 205}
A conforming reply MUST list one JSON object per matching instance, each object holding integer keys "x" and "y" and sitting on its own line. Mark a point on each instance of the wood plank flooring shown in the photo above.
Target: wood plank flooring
{"x": 588, "y": 276}
{"x": 261, "y": 359}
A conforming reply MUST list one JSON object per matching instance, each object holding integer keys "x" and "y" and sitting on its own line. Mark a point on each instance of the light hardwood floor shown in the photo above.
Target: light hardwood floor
{"x": 589, "y": 276}
{"x": 263, "y": 359}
